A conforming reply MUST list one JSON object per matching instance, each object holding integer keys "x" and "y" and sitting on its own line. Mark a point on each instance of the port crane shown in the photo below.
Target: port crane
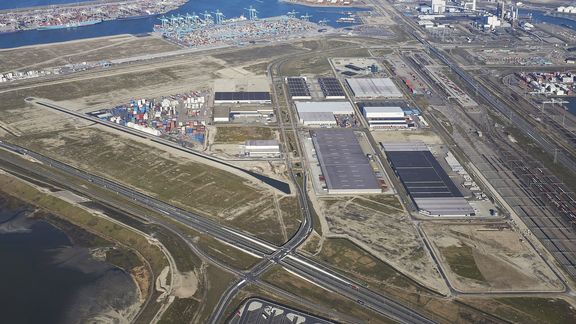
{"x": 292, "y": 13}
{"x": 252, "y": 13}
{"x": 219, "y": 16}
{"x": 207, "y": 18}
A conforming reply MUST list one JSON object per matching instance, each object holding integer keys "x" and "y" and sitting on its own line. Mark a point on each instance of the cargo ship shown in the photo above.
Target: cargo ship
{"x": 69, "y": 25}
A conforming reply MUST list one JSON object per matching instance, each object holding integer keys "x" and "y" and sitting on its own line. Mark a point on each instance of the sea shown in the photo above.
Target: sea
{"x": 46, "y": 279}
{"x": 230, "y": 8}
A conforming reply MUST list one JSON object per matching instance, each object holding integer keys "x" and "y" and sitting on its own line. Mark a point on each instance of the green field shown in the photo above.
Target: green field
{"x": 461, "y": 262}
{"x": 241, "y": 134}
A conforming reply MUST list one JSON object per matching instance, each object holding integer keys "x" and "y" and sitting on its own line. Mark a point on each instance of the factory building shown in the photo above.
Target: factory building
{"x": 370, "y": 88}
{"x": 385, "y": 117}
{"x": 438, "y": 6}
{"x": 250, "y": 111}
{"x": 242, "y": 97}
{"x": 221, "y": 114}
{"x": 322, "y": 113}
{"x": 262, "y": 148}
{"x": 427, "y": 183}
{"x": 345, "y": 167}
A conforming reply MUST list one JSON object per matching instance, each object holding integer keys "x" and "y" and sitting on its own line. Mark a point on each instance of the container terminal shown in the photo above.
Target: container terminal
{"x": 72, "y": 16}
{"x": 182, "y": 116}
{"x": 205, "y": 30}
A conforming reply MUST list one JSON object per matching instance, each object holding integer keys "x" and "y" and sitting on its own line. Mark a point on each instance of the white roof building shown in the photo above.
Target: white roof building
{"x": 334, "y": 107}
{"x": 322, "y": 113}
{"x": 383, "y": 112}
{"x": 374, "y": 88}
{"x": 262, "y": 148}
{"x": 385, "y": 117}
{"x": 313, "y": 118}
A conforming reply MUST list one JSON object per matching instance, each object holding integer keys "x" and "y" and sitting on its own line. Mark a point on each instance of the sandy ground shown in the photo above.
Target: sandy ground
{"x": 506, "y": 263}
{"x": 386, "y": 232}
{"x": 186, "y": 284}
{"x": 427, "y": 137}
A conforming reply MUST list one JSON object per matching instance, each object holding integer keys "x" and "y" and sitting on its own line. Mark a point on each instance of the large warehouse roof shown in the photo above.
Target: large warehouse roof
{"x": 334, "y": 107}
{"x": 242, "y": 96}
{"x": 298, "y": 87}
{"x": 317, "y": 118}
{"x": 374, "y": 88}
{"x": 425, "y": 180}
{"x": 343, "y": 163}
{"x": 383, "y": 112}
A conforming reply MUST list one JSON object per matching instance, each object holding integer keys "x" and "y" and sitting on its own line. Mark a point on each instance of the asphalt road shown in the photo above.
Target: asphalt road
{"x": 271, "y": 254}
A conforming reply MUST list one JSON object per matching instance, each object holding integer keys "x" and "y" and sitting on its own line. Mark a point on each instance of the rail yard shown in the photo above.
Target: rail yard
{"x": 293, "y": 171}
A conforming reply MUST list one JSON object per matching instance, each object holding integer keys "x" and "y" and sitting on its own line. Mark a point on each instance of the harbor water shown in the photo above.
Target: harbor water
{"x": 230, "y": 8}
{"x": 12, "y": 4}
{"x": 571, "y": 105}
{"x": 47, "y": 279}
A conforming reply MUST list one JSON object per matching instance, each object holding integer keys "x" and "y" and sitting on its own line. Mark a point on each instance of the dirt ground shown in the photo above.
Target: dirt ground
{"x": 481, "y": 258}
{"x": 378, "y": 224}
{"x": 427, "y": 137}
{"x": 94, "y": 50}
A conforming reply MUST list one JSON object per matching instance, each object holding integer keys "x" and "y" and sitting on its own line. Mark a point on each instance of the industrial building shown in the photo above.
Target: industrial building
{"x": 369, "y": 88}
{"x": 438, "y": 6}
{"x": 385, "y": 117}
{"x": 345, "y": 167}
{"x": 322, "y": 113}
{"x": 250, "y": 111}
{"x": 242, "y": 97}
{"x": 298, "y": 88}
{"x": 331, "y": 88}
{"x": 262, "y": 148}
{"x": 426, "y": 181}
{"x": 221, "y": 114}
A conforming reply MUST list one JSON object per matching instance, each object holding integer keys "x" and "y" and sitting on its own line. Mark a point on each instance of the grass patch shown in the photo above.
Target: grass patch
{"x": 548, "y": 310}
{"x": 379, "y": 207}
{"x": 240, "y": 134}
{"x": 182, "y": 310}
{"x": 217, "y": 281}
{"x": 194, "y": 186}
{"x": 353, "y": 260}
{"x": 291, "y": 214}
{"x": 461, "y": 261}
{"x": 227, "y": 254}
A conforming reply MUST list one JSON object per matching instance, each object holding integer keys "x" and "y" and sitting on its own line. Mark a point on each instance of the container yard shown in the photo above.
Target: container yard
{"x": 549, "y": 83}
{"x": 78, "y": 15}
{"x": 182, "y": 116}
{"x": 194, "y": 31}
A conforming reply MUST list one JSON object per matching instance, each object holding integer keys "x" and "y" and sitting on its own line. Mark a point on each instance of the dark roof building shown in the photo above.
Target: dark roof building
{"x": 344, "y": 165}
{"x": 242, "y": 97}
{"x": 428, "y": 184}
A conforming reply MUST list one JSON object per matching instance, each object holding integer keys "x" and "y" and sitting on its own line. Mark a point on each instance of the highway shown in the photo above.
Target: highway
{"x": 271, "y": 254}
{"x": 277, "y": 184}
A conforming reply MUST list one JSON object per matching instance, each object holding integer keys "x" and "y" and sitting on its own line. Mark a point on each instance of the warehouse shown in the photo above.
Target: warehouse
{"x": 331, "y": 88}
{"x": 322, "y": 113}
{"x": 262, "y": 148}
{"x": 221, "y": 114}
{"x": 369, "y": 88}
{"x": 242, "y": 97}
{"x": 385, "y": 117}
{"x": 298, "y": 88}
{"x": 250, "y": 111}
{"x": 426, "y": 181}
{"x": 312, "y": 118}
{"x": 344, "y": 165}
